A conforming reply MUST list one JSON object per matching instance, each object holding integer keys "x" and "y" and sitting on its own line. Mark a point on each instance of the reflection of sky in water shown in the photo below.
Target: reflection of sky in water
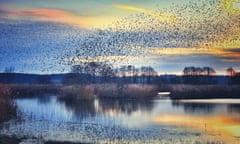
{"x": 156, "y": 120}
{"x": 51, "y": 109}
{"x": 46, "y": 110}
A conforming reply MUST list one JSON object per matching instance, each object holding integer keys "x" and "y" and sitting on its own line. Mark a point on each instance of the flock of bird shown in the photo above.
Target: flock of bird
{"x": 196, "y": 24}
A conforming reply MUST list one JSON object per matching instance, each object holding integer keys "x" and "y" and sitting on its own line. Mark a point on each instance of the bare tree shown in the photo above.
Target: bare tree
{"x": 198, "y": 71}
{"x": 231, "y": 71}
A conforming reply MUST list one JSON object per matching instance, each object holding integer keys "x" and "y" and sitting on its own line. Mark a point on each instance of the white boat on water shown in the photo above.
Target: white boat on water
{"x": 163, "y": 95}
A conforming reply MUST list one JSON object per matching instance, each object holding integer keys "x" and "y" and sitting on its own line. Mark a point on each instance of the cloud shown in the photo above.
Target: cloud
{"x": 157, "y": 15}
{"x": 201, "y": 29}
{"x": 230, "y": 54}
{"x": 57, "y": 15}
{"x": 181, "y": 51}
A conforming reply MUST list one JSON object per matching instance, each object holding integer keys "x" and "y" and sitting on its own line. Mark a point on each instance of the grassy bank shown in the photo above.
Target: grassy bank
{"x": 134, "y": 91}
{"x": 113, "y": 90}
{"x": 25, "y": 90}
{"x": 202, "y": 91}
{"x": 125, "y": 91}
{"x": 7, "y": 107}
{"x": 89, "y": 91}
{"x": 76, "y": 92}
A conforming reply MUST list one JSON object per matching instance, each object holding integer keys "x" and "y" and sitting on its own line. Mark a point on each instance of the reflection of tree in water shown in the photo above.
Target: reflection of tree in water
{"x": 233, "y": 108}
{"x": 89, "y": 108}
{"x": 204, "y": 108}
{"x": 44, "y": 99}
{"x": 81, "y": 108}
{"x": 123, "y": 106}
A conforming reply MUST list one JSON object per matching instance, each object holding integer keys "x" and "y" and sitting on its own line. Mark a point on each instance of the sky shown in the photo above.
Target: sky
{"x": 49, "y": 36}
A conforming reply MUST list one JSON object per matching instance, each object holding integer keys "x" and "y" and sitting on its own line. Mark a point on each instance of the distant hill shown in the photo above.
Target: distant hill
{"x": 21, "y": 78}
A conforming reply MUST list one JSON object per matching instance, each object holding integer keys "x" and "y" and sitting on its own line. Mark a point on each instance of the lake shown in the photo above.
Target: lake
{"x": 48, "y": 118}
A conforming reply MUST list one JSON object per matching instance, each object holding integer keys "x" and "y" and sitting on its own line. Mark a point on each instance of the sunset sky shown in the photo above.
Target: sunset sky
{"x": 49, "y": 36}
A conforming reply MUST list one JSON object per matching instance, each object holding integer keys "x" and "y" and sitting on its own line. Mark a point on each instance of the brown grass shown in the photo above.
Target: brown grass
{"x": 202, "y": 91}
{"x": 126, "y": 90}
{"x": 7, "y": 107}
{"x": 108, "y": 91}
{"x": 77, "y": 92}
{"x": 24, "y": 90}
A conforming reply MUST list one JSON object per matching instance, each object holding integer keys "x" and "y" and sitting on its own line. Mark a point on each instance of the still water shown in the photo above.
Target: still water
{"x": 126, "y": 121}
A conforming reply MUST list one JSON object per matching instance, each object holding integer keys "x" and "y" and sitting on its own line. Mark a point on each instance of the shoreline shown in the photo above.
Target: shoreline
{"x": 128, "y": 91}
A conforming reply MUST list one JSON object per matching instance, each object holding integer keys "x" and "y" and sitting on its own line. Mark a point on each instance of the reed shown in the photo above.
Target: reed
{"x": 126, "y": 91}
{"x": 7, "y": 107}
{"x": 77, "y": 92}
{"x": 202, "y": 91}
{"x": 26, "y": 90}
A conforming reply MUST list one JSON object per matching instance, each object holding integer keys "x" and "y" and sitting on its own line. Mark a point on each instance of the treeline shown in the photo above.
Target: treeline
{"x": 206, "y": 75}
{"x": 198, "y": 75}
{"x": 94, "y": 72}
{"x": 234, "y": 76}
{"x": 100, "y": 72}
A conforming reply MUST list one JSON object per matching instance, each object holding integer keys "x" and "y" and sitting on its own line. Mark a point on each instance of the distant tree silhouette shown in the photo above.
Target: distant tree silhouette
{"x": 231, "y": 72}
{"x": 234, "y": 76}
{"x": 147, "y": 72}
{"x": 132, "y": 74}
{"x": 198, "y": 75}
{"x": 9, "y": 70}
{"x": 98, "y": 71}
{"x": 208, "y": 71}
{"x": 198, "y": 71}
{"x": 106, "y": 72}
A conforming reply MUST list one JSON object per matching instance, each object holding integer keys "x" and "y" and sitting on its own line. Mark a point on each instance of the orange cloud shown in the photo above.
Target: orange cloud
{"x": 159, "y": 16}
{"x": 221, "y": 52}
{"x": 55, "y": 15}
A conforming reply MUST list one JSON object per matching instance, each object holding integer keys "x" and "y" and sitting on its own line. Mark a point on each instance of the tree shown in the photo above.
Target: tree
{"x": 94, "y": 69}
{"x": 198, "y": 71}
{"x": 148, "y": 72}
{"x": 208, "y": 71}
{"x": 189, "y": 71}
{"x": 106, "y": 72}
{"x": 198, "y": 75}
{"x": 231, "y": 72}
{"x": 9, "y": 69}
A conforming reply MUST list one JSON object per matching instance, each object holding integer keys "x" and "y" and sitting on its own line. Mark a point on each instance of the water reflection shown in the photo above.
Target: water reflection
{"x": 144, "y": 120}
{"x": 43, "y": 108}
{"x": 196, "y": 108}
{"x": 80, "y": 108}
{"x": 227, "y": 127}
{"x": 127, "y": 107}
{"x": 234, "y": 108}
{"x": 58, "y": 109}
